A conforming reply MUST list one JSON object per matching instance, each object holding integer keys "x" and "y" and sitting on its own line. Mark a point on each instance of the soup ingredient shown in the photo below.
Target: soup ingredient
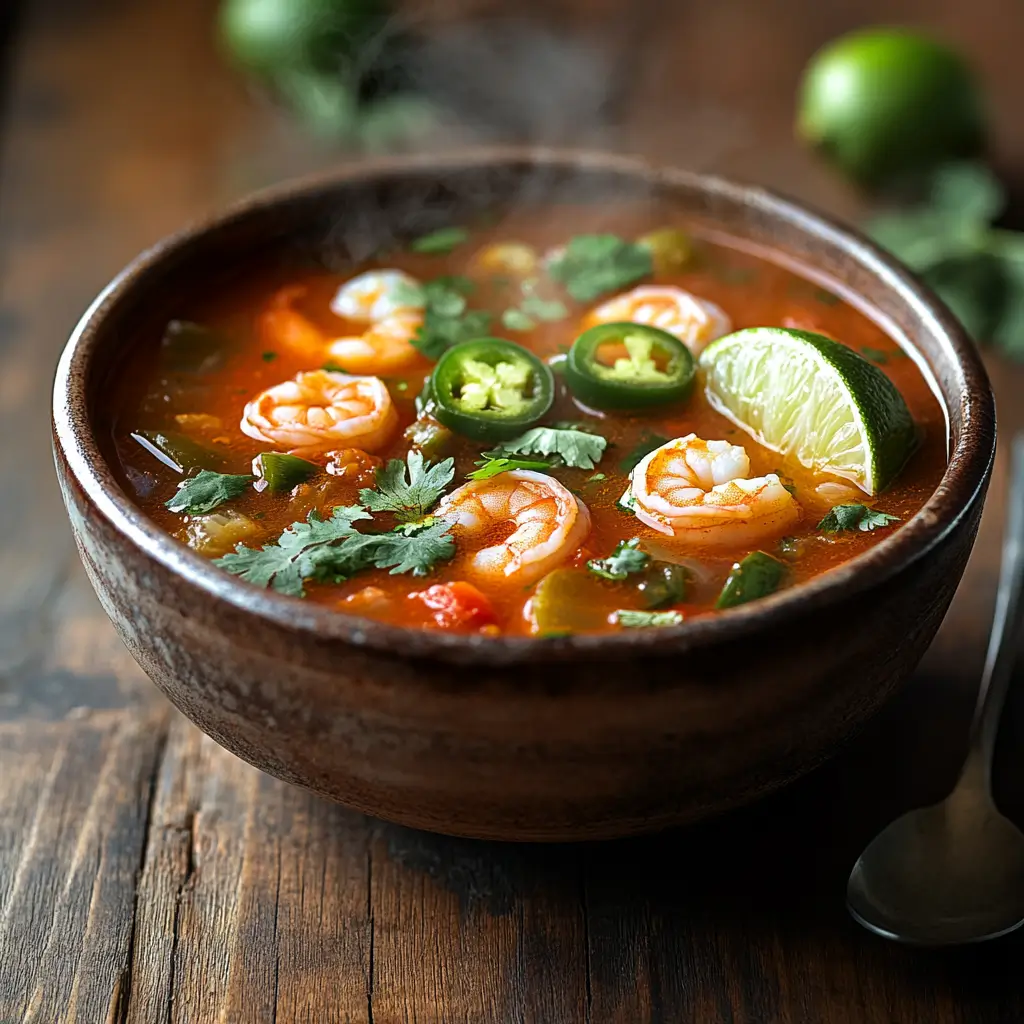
{"x": 855, "y": 517}
{"x": 456, "y": 606}
{"x": 219, "y": 532}
{"x": 188, "y": 347}
{"x": 698, "y": 492}
{"x": 447, "y": 319}
{"x": 409, "y": 489}
{"x": 492, "y": 465}
{"x": 511, "y": 259}
{"x": 629, "y": 366}
{"x": 813, "y": 399}
{"x": 694, "y": 321}
{"x": 352, "y": 464}
{"x": 439, "y": 242}
{"x": 177, "y": 451}
{"x": 593, "y": 265}
{"x": 375, "y": 295}
{"x": 641, "y": 620}
{"x": 319, "y": 409}
{"x": 490, "y": 389}
{"x": 663, "y": 584}
{"x": 625, "y": 559}
{"x": 280, "y": 472}
{"x": 885, "y": 102}
{"x": 671, "y": 249}
{"x": 565, "y": 601}
{"x": 533, "y": 308}
{"x": 949, "y": 240}
{"x": 548, "y": 524}
{"x": 206, "y": 491}
{"x": 647, "y": 443}
{"x": 756, "y": 576}
{"x": 565, "y": 446}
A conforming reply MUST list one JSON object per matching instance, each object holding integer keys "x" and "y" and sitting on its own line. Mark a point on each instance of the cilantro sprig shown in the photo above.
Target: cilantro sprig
{"x": 593, "y": 265}
{"x": 439, "y": 242}
{"x": 855, "y": 517}
{"x": 408, "y": 489}
{"x": 949, "y": 239}
{"x": 625, "y": 559}
{"x": 493, "y": 465}
{"x": 577, "y": 449}
{"x": 206, "y": 491}
{"x": 639, "y": 620}
{"x": 447, "y": 320}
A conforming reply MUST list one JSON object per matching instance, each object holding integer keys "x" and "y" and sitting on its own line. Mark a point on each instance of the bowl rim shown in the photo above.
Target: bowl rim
{"x": 966, "y": 473}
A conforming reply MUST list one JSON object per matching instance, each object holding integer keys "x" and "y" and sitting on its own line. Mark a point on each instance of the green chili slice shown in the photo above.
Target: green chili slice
{"x": 629, "y": 366}
{"x": 490, "y": 389}
{"x": 758, "y": 575}
{"x": 283, "y": 472}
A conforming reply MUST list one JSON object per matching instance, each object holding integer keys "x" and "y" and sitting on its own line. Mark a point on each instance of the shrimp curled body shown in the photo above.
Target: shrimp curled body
{"x": 548, "y": 522}
{"x": 320, "y": 410}
{"x": 374, "y": 299}
{"x": 699, "y": 492}
{"x": 695, "y": 322}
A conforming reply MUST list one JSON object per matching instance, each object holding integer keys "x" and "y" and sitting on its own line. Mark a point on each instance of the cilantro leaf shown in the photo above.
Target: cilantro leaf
{"x": 626, "y": 558}
{"x": 206, "y": 491}
{"x": 638, "y": 620}
{"x": 855, "y": 517}
{"x": 543, "y": 309}
{"x": 491, "y": 465}
{"x": 416, "y": 552}
{"x": 411, "y": 494}
{"x": 643, "y": 448}
{"x": 439, "y": 242}
{"x": 592, "y": 265}
{"x": 578, "y": 449}
{"x": 304, "y": 551}
{"x": 517, "y": 320}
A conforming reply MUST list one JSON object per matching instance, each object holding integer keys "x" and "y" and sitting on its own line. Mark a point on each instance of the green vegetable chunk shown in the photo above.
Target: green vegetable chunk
{"x": 756, "y": 576}
{"x": 282, "y": 472}
{"x": 625, "y": 559}
{"x": 647, "y": 367}
{"x": 491, "y": 389}
{"x": 428, "y": 436}
{"x": 671, "y": 249}
{"x": 206, "y": 491}
{"x": 188, "y": 347}
{"x": 439, "y": 242}
{"x": 881, "y": 103}
{"x": 593, "y": 265}
{"x": 566, "y": 601}
{"x": 664, "y": 584}
{"x": 641, "y": 620}
{"x": 855, "y": 517}
{"x": 176, "y": 451}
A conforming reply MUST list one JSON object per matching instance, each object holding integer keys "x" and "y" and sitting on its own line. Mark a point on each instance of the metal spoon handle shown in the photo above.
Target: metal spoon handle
{"x": 1002, "y": 643}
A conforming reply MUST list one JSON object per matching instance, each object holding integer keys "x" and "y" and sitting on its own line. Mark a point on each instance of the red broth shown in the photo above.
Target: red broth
{"x": 207, "y": 406}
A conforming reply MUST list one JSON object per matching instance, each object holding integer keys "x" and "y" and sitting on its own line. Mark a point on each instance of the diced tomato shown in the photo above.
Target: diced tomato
{"x": 456, "y": 606}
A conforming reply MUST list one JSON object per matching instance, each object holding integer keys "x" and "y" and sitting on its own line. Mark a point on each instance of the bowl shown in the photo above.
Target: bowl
{"x": 516, "y": 738}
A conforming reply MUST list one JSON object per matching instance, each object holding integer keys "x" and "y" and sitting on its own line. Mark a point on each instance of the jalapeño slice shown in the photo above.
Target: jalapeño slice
{"x": 490, "y": 389}
{"x": 629, "y": 366}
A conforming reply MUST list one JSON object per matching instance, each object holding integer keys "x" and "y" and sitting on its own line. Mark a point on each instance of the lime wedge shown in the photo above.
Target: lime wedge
{"x": 810, "y": 398}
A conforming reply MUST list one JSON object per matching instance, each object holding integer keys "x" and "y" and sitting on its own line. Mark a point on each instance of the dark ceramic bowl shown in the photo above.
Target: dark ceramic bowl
{"x": 515, "y": 738}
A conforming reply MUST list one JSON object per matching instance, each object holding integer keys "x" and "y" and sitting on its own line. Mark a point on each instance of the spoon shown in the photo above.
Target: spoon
{"x": 954, "y": 872}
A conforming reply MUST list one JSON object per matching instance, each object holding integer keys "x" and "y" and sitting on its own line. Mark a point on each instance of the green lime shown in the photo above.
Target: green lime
{"x": 882, "y": 103}
{"x": 806, "y": 396}
{"x": 272, "y": 36}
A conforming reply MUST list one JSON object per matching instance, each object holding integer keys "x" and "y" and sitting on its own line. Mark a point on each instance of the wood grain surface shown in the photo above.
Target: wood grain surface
{"x": 148, "y": 876}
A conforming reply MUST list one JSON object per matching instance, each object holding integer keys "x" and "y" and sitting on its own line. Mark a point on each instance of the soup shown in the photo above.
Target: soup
{"x": 531, "y": 428}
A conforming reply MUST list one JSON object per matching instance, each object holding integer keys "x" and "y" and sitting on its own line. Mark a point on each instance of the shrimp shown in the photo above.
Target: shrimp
{"x": 695, "y": 322}
{"x": 698, "y": 492}
{"x": 375, "y": 299}
{"x": 319, "y": 410}
{"x": 548, "y": 523}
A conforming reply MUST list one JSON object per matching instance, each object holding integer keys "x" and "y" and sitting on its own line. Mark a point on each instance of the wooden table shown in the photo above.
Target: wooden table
{"x": 148, "y": 876}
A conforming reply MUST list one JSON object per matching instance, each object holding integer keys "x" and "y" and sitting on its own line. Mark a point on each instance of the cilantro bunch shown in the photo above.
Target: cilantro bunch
{"x": 333, "y": 550}
{"x": 950, "y": 241}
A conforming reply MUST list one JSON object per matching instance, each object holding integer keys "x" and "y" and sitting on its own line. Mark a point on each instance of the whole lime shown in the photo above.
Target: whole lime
{"x": 271, "y": 36}
{"x": 883, "y": 103}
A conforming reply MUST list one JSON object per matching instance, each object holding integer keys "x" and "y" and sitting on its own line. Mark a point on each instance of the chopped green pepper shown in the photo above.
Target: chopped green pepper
{"x": 671, "y": 249}
{"x": 490, "y": 389}
{"x": 282, "y": 472}
{"x": 758, "y": 575}
{"x": 176, "y": 451}
{"x": 427, "y": 436}
{"x": 629, "y": 366}
{"x": 663, "y": 584}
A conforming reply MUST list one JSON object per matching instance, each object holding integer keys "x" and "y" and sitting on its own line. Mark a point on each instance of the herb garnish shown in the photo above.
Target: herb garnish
{"x": 206, "y": 491}
{"x": 637, "y": 620}
{"x": 491, "y": 465}
{"x": 643, "y": 448}
{"x": 949, "y": 240}
{"x": 446, "y": 320}
{"x": 855, "y": 517}
{"x": 625, "y": 559}
{"x": 593, "y": 265}
{"x": 408, "y": 489}
{"x": 439, "y": 242}
{"x": 577, "y": 449}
